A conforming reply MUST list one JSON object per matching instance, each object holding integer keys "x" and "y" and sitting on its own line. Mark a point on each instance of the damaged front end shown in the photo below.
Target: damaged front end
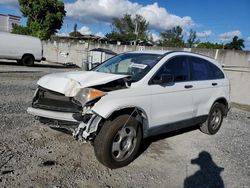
{"x": 75, "y": 113}
{"x": 89, "y": 121}
{"x": 87, "y": 129}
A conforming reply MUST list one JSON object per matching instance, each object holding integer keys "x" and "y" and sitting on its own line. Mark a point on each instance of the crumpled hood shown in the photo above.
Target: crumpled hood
{"x": 69, "y": 83}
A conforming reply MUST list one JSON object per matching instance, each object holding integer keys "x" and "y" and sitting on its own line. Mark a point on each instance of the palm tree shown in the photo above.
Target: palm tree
{"x": 236, "y": 44}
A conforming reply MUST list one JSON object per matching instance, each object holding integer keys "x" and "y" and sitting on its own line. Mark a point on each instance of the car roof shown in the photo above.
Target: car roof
{"x": 160, "y": 52}
{"x": 166, "y": 52}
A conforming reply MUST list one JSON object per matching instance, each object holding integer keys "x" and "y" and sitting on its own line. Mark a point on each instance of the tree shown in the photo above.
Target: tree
{"x": 75, "y": 33}
{"x": 209, "y": 45}
{"x": 192, "y": 39}
{"x": 18, "y": 29}
{"x": 127, "y": 29}
{"x": 172, "y": 37}
{"x": 236, "y": 44}
{"x": 44, "y": 17}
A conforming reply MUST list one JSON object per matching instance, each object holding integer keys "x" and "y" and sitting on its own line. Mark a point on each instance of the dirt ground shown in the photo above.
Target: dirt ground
{"x": 32, "y": 155}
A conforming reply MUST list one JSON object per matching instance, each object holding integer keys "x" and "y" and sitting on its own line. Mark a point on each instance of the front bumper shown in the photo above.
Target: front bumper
{"x": 65, "y": 116}
{"x": 84, "y": 129}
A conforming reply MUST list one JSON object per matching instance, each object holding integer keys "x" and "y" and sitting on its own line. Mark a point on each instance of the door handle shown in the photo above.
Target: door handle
{"x": 214, "y": 84}
{"x": 188, "y": 86}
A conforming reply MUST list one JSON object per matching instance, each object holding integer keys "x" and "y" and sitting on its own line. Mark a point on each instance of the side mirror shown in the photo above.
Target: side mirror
{"x": 166, "y": 78}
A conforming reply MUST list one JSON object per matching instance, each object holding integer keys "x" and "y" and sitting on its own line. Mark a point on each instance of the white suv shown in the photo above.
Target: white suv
{"x": 132, "y": 96}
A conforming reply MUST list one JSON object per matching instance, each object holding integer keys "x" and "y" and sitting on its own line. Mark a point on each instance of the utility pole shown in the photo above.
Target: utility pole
{"x": 137, "y": 28}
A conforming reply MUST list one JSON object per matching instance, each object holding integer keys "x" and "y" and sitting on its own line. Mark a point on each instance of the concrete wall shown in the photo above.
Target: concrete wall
{"x": 237, "y": 63}
{"x": 65, "y": 52}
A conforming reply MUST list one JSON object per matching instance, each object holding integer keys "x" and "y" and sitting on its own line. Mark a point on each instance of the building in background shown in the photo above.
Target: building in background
{"x": 8, "y": 21}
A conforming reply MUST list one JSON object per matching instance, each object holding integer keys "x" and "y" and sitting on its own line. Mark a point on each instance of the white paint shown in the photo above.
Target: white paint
{"x": 14, "y": 46}
{"x": 70, "y": 83}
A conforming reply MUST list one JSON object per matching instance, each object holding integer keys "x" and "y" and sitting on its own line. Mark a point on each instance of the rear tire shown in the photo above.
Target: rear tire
{"x": 116, "y": 145}
{"x": 28, "y": 60}
{"x": 214, "y": 120}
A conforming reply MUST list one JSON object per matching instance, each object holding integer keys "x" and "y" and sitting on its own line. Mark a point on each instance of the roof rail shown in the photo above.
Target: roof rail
{"x": 174, "y": 51}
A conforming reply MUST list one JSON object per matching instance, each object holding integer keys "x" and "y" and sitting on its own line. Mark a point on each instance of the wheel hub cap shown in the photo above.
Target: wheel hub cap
{"x": 124, "y": 143}
{"x": 216, "y": 118}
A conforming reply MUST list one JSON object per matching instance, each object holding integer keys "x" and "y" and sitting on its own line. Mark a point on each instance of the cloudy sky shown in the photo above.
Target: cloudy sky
{"x": 216, "y": 21}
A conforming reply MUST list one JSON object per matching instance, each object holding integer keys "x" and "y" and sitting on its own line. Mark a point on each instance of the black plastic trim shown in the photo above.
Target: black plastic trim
{"x": 50, "y": 100}
{"x": 165, "y": 128}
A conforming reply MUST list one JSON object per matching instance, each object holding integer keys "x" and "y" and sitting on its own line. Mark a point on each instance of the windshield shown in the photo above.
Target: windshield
{"x": 137, "y": 65}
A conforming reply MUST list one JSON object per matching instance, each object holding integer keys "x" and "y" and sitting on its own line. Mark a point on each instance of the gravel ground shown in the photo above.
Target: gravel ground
{"x": 32, "y": 155}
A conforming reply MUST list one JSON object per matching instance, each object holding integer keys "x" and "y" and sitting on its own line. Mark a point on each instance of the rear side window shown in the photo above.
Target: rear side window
{"x": 217, "y": 73}
{"x": 177, "y": 66}
{"x": 200, "y": 69}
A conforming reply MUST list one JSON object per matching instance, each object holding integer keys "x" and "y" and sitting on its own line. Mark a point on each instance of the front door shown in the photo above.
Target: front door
{"x": 172, "y": 102}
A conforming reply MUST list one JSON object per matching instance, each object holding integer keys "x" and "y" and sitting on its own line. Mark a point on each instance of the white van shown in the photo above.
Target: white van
{"x": 25, "y": 49}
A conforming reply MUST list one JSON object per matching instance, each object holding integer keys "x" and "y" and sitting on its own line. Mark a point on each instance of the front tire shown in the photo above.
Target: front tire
{"x": 214, "y": 120}
{"x": 118, "y": 141}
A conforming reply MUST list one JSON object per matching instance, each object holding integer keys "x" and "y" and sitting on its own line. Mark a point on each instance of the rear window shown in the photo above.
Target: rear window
{"x": 200, "y": 69}
{"x": 217, "y": 73}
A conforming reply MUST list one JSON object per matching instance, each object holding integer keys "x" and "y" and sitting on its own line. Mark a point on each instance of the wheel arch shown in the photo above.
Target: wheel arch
{"x": 28, "y": 54}
{"x": 223, "y": 101}
{"x": 137, "y": 112}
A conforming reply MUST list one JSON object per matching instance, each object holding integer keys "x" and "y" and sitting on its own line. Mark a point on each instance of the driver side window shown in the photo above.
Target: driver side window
{"x": 178, "y": 67}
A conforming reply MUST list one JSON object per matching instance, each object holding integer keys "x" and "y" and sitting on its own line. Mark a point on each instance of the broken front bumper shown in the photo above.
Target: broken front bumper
{"x": 85, "y": 130}
{"x": 65, "y": 116}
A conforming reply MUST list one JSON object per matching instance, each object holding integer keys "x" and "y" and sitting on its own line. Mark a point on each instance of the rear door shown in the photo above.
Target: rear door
{"x": 204, "y": 83}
